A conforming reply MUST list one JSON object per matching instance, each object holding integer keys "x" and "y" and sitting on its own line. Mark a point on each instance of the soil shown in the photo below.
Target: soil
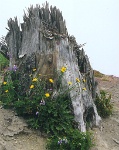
{"x": 15, "y": 134}
{"x": 107, "y": 136}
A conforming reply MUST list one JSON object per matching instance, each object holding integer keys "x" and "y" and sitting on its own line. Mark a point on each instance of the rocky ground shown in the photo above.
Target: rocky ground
{"x": 107, "y": 136}
{"x": 15, "y": 135}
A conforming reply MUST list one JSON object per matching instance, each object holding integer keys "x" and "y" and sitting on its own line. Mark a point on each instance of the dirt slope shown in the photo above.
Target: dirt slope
{"x": 107, "y": 137}
{"x": 14, "y": 134}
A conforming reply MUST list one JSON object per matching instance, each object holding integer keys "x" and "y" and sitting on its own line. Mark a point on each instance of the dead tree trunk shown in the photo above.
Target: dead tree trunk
{"x": 43, "y": 43}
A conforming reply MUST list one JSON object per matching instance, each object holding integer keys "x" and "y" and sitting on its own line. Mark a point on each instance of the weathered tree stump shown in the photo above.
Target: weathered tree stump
{"x": 42, "y": 42}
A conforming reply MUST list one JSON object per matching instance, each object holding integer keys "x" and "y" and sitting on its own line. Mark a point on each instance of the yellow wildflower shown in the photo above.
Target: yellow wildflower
{"x": 34, "y": 69}
{"x": 6, "y": 91}
{"x": 70, "y": 83}
{"x": 51, "y": 80}
{"x": 32, "y": 86}
{"x": 84, "y": 80}
{"x": 47, "y": 95}
{"x": 4, "y": 83}
{"x": 77, "y": 80}
{"x": 63, "y": 69}
{"x": 84, "y": 89}
{"x": 35, "y": 79}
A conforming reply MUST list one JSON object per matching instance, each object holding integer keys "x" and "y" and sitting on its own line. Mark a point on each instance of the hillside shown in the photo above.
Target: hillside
{"x": 107, "y": 137}
{"x": 14, "y": 133}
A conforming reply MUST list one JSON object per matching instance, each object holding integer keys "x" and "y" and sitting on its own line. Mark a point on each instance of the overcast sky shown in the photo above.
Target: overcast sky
{"x": 95, "y": 22}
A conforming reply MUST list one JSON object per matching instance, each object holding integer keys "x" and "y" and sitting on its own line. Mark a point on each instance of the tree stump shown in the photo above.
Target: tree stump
{"x": 42, "y": 42}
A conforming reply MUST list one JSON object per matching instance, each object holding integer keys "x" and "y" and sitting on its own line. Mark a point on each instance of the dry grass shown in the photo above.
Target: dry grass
{"x": 98, "y": 74}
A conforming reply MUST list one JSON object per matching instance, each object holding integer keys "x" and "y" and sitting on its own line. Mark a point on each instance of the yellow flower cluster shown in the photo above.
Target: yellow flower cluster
{"x": 32, "y": 86}
{"x": 6, "y": 91}
{"x": 70, "y": 83}
{"x": 35, "y": 79}
{"x": 51, "y": 80}
{"x": 63, "y": 69}
{"x": 4, "y": 83}
{"x": 84, "y": 89}
{"x": 34, "y": 69}
{"x": 47, "y": 95}
{"x": 84, "y": 80}
{"x": 77, "y": 80}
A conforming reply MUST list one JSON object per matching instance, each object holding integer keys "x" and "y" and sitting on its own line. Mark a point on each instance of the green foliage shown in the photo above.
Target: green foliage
{"x": 5, "y": 96}
{"x": 73, "y": 140}
{"x": 3, "y": 61}
{"x": 44, "y": 110}
{"x": 104, "y": 105}
{"x": 53, "y": 117}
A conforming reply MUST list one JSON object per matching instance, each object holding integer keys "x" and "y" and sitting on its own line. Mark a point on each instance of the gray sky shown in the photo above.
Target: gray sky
{"x": 95, "y": 22}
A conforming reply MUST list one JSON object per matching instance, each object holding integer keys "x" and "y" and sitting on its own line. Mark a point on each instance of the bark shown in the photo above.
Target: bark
{"x": 43, "y": 42}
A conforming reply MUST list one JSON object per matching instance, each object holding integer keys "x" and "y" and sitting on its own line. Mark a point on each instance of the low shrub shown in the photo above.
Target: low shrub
{"x": 3, "y": 62}
{"x": 73, "y": 140}
{"x": 50, "y": 113}
{"x": 104, "y": 105}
